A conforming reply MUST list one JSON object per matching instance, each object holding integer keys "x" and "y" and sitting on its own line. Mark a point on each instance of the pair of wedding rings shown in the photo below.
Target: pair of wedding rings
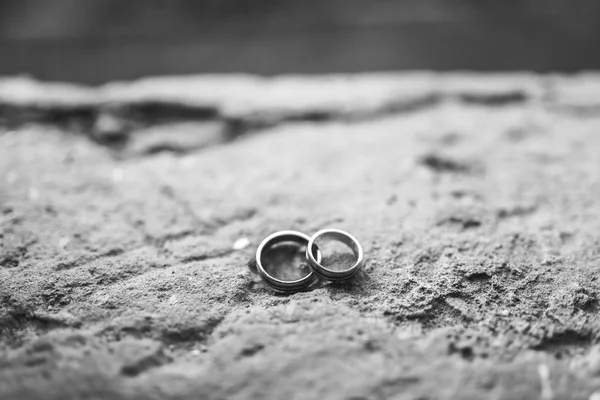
{"x": 313, "y": 256}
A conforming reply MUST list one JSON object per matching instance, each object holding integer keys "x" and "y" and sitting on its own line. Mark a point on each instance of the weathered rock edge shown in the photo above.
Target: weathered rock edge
{"x": 236, "y": 104}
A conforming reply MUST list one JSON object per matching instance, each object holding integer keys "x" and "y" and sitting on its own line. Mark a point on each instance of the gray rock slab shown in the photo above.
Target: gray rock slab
{"x": 120, "y": 276}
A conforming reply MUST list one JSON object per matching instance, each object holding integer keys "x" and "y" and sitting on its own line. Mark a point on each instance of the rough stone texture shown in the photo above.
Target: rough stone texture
{"x": 475, "y": 199}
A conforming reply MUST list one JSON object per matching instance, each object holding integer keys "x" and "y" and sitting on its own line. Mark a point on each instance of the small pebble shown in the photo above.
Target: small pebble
{"x": 102, "y": 299}
{"x": 195, "y": 352}
{"x": 241, "y": 243}
{"x": 63, "y": 242}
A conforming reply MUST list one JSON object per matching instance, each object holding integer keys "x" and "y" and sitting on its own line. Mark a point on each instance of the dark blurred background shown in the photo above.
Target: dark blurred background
{"x": 93, "y": 41}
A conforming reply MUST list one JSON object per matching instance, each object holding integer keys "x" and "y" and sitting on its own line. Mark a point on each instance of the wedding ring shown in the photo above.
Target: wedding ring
{"x": 341, "y": 236}
{"x": 280, "y": 284}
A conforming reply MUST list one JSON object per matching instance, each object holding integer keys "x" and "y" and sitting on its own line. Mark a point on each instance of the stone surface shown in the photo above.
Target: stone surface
{"x": 475, "y": 199}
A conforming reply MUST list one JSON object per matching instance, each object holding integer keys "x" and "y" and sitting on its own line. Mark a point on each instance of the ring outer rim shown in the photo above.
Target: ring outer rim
{"x": 326, "y": 273}
{"x": 276, "y": 283}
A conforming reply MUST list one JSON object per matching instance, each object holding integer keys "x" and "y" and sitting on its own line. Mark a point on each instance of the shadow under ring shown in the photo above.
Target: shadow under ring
{"x": 279, "y": 284}
{"x": 341, "y": 236}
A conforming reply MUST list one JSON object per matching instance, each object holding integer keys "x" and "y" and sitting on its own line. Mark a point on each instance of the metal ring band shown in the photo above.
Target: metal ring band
{"x": 278, "y": 284}
{"x": 344, "y": 237}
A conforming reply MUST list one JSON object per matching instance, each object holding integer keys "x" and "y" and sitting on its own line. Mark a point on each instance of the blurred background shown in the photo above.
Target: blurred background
{"x": 94, "y": 41}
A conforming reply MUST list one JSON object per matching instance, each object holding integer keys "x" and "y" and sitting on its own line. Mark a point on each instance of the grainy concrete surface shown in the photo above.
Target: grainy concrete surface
{"x": 476, "y": 199}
